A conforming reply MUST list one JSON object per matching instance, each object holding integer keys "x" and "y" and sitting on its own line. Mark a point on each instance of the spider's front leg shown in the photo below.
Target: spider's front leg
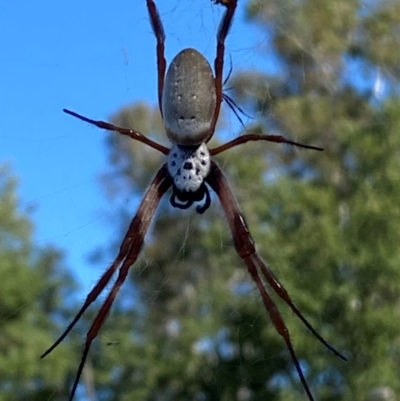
{"x": 246, "y": 249}
{"x": 128, "y": 253}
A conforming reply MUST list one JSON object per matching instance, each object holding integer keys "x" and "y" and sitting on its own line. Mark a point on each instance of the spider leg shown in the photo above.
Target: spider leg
{"x": 219, "y": 59}
{"x": 258, "y": 137}
{"x": 230, "y": 71}
{"x": 245, "y": 247}
{"x": 124, "y": 131}
{"x": 283, "y": 294}
{"x": 160, "y": 37}
{"x": 128, "y": 253}
{"x": 235, "y": 108}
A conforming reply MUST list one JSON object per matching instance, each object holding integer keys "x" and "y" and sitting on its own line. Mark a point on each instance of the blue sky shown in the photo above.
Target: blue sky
{"x": 91, "y": 57}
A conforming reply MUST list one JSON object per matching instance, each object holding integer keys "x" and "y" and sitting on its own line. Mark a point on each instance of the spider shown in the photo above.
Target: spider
{"x": 189, "y": 99}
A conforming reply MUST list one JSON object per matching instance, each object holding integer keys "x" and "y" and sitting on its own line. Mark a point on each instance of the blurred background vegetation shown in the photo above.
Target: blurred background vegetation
{"x": 189, "y": 324}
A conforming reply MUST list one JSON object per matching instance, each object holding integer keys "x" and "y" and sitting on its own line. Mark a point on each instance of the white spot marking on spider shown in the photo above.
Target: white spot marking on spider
{"x": 188, "y": 166}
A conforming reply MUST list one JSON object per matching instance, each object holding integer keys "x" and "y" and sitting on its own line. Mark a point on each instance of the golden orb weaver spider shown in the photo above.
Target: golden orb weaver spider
{"x": 189, "y": 98}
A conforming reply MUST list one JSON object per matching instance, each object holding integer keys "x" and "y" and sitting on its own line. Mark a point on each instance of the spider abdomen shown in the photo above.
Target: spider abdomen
{"x": 189, "y": 99}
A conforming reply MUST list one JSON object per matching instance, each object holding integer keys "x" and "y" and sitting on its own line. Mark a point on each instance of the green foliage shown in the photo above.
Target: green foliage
{"x": 30, "y": 291}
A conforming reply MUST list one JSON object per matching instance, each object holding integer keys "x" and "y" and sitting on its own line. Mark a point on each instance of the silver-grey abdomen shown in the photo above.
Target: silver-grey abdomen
{"x": 189, "y": 98}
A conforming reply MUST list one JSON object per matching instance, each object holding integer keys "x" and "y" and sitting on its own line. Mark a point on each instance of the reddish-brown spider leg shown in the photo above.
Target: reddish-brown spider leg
{"x": 124, "y": 131}
{"x": 160, "y": 37}
{"x": 245, "y": 247}
{"x": 223, "y": 2}
{"x": 219, "y": 59}
{"x": 259, "y": 137}
{"x": 128, "y": 253}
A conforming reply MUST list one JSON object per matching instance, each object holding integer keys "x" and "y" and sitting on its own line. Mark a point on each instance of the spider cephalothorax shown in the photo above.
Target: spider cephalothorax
{"x": 189, "y": 98}
{"x": 189, "y": 166}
